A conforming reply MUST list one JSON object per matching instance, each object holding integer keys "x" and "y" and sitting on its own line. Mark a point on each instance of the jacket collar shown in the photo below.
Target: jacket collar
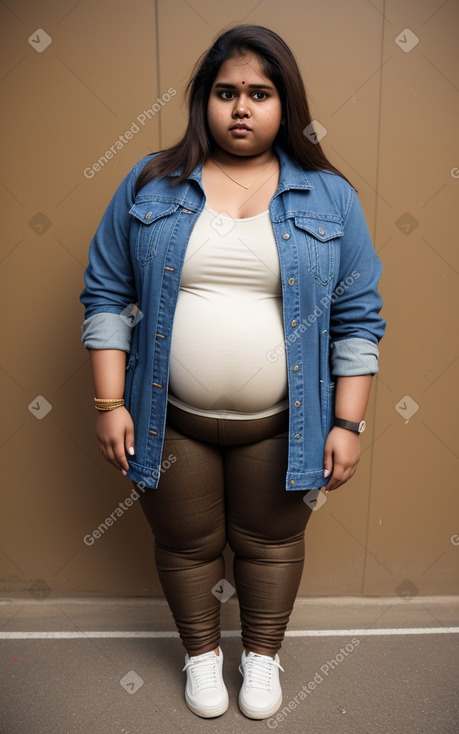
{"x": 292, "y": 175}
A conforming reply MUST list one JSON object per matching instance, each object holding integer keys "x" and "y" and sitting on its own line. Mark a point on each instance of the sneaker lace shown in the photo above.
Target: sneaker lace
{"x": 258, "y": 671}
{"x": 204, "y": 672}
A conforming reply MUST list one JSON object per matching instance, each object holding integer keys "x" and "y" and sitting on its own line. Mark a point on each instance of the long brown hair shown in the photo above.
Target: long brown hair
{"x": 280, "y": 67}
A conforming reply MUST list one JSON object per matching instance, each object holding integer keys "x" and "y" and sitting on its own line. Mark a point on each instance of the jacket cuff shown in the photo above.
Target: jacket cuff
{"x": 355, "y": 356}
{"x": 106, "y": 331}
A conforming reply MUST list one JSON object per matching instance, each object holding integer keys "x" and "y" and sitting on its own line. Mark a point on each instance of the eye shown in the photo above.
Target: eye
{"x": 260, "y": 96}
{"x": 226, "y": 94}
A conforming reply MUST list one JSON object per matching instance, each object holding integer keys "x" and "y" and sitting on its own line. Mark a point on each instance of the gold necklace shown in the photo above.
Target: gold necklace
{"x": 238, "y": 182}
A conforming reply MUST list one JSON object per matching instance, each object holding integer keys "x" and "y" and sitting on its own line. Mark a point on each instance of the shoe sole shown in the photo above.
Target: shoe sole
{"x": 209, "y": 713}
{"x": 260, "y": 714}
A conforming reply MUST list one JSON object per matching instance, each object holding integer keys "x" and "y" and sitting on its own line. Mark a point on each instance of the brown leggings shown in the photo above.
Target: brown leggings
{"x": 227, "y": 485}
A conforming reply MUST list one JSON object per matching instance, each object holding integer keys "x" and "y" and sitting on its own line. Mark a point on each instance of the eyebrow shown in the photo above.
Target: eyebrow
{"x": 222, "y": 85}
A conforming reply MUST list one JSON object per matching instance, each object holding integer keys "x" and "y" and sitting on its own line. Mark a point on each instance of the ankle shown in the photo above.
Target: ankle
{"x": 216, "y": 650}
{"x": 260, "y": 651}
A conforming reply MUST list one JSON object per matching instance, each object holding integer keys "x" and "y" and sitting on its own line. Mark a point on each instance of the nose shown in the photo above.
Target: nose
{"x": 241, "y": 107}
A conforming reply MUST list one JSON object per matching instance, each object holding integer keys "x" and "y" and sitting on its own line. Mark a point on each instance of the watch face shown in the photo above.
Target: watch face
{"x": 362, "y": 426}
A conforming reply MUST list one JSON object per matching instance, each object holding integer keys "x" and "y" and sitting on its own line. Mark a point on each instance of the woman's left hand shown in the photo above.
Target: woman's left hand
{"x": 341, "y": 456}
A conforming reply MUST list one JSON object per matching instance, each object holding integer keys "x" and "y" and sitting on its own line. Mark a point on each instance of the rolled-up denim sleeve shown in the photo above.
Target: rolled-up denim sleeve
{"x": 350, "y": 357}
{"x": 355, "y": 324}
{"x": 110, "y": 289}
{"x": 106, "y": 331}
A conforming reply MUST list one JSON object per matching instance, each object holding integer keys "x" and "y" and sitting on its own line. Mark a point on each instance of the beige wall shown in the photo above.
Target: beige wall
{"x": 391, "y": 116}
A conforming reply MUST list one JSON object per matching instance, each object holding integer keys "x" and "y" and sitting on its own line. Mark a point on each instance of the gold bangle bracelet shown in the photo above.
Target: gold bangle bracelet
{"x": 108, "y": 403}
{"x": 107, "y": 400}
{"x": 109, "y": 407}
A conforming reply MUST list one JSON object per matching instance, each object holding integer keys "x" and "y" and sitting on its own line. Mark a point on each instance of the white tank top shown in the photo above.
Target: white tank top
{"x": 228, "y": 317}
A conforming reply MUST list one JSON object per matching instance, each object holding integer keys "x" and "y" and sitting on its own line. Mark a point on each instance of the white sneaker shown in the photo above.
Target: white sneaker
{"x": 260, "y": 695}
{"x": 205, "y": 691}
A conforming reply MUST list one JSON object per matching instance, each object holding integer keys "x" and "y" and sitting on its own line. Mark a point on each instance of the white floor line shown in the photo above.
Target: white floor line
{"x": 72, "y": 635}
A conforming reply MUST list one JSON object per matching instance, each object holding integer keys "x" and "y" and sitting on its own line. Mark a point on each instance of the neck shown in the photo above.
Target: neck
{"x": 228, "y": 160}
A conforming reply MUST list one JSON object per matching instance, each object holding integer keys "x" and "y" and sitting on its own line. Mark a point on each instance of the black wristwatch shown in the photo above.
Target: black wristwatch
{"x": 356, "y": 427}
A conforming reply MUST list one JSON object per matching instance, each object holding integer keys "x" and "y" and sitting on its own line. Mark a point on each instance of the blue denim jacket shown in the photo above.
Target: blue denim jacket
{"x": 331, "y": 304}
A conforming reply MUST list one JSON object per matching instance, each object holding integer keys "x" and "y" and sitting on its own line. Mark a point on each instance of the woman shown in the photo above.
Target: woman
{"x": 250, "y": 357}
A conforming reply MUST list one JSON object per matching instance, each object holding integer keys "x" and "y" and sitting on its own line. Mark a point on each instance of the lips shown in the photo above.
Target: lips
{"x": 240, "y": 126}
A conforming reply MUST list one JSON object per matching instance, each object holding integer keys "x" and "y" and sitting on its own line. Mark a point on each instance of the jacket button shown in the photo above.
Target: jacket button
{"x": 321, "y": 230}
{"x": 297, "y": 403}
{"x": 286, "y": 236}
{"x": 293, "y": 323}
{"x": 297, "y": 435}
{"x": 148, "y": 215}
{"x": 296, "y": 368}
{"x": 292, "y": 481}
{"x": 291, "y": 281}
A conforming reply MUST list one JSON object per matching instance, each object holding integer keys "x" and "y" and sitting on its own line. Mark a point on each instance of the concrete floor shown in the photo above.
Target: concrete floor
{"x": 404, "y": 681}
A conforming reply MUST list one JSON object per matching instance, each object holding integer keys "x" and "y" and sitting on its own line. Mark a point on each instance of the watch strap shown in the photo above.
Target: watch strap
{"x": 356, "y": 427}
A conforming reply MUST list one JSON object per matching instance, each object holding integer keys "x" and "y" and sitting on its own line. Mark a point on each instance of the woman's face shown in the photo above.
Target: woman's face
{"x": 244, "y": 111}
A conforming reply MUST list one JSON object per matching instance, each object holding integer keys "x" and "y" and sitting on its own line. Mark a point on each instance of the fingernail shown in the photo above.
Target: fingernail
{"x": 130, "y": 450}
{"x": 123, "y": 471}
{"x": 326, "y": 472}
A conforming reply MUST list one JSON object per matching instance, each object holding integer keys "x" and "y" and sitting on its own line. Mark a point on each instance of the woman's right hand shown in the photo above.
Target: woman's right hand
{"x": 115, "y": 434}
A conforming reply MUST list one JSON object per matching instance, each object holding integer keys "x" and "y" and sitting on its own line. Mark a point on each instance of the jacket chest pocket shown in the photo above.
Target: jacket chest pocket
{"x": 149, "y": 219}
{"x": 321, "y": 238}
